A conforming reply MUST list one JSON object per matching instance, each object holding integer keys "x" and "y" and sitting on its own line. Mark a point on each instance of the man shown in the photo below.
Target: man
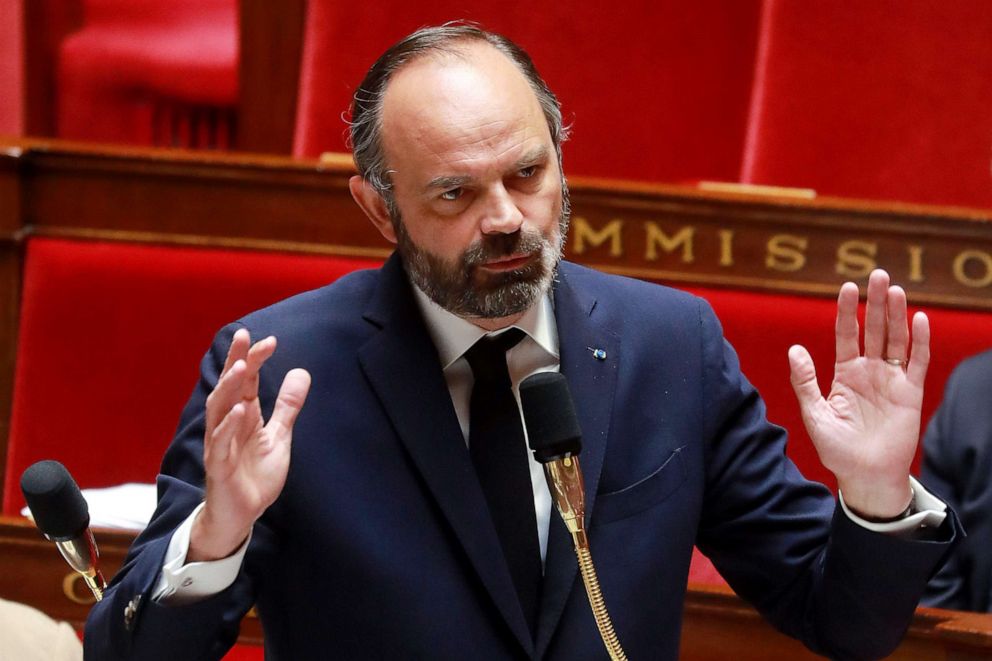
{"x": 957, "y": 462}
{"x": 363, "y": 527}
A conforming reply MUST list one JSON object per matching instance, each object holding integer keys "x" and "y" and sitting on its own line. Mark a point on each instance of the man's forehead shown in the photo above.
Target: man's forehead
{"x": 469, "y": 81}
{"x": 469, "y": 95}
{"x": 464, "y": 55}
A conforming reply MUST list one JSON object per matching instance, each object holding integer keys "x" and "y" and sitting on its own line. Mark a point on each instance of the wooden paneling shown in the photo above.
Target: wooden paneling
{"x": 11, "y": 219}
{"x": 36, "y": 574}
{"x": 661, "y": 232}
{"x": 942, "y": 255}
{"x": 719, "y": 625}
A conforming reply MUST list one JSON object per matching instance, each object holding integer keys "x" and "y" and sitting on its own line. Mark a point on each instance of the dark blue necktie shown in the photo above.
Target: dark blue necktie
{"x": 499, "y": 452}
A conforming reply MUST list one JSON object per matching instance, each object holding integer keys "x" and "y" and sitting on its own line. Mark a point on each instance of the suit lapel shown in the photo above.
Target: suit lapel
{"x": 403, "y": 368}
{"x": 583, "y": 327}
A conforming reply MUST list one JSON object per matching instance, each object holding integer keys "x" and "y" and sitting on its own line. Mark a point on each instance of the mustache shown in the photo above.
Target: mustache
{"x": 502, "y": 245}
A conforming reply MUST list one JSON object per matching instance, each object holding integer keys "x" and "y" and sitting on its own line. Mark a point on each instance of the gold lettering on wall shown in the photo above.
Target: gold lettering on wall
{"x": 856, "y": 259}
{"x": 984, "y": 263}
{"x": 915, "y": 263}
{"x": 786, "y": 252}
{"x": 583, "y": 233}
{"x": 721, "y": 250}
{"x": 657, "y": 237}
{"x": 726, "y": 247}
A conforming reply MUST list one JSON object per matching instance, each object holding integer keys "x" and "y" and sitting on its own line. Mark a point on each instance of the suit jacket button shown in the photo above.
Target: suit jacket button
{"x": 130, "y": 611}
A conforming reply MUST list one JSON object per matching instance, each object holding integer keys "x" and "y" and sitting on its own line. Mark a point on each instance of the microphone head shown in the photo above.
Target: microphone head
{"x": 552, "y": 426}
{"x": 58, "y": 507}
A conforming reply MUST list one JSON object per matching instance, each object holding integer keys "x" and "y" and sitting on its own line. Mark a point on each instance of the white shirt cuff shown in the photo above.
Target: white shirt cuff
{"x": 182, "y": 583}
{"x": 930, "y": 513}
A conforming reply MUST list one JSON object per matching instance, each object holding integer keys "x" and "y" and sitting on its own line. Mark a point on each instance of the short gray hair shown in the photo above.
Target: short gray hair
{"x": 366, "y": 108}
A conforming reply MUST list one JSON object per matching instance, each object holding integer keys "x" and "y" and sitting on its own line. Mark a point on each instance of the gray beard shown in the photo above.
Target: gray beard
{"x": 455, "y": 287}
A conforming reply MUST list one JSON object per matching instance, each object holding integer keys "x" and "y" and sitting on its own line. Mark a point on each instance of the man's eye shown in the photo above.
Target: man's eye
{"x": 451, "y": 195}
{"x": 527, "y": 172}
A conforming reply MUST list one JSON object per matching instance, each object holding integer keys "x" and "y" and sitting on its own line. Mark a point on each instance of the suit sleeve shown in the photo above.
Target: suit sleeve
{"x": 947, "y": 589}
{"x": 128, "y": 623}
{"x": 783, "y": 543}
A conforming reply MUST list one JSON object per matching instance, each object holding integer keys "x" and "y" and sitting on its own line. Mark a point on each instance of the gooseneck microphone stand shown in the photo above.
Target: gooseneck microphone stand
{"x": 554, "y": 437}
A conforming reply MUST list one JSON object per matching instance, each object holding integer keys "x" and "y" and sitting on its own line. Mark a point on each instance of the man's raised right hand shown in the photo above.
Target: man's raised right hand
{"x": 246, "y": 459}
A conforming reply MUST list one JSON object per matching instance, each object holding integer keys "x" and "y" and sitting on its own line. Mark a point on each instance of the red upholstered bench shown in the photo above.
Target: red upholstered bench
{"x": 111, "y": 335}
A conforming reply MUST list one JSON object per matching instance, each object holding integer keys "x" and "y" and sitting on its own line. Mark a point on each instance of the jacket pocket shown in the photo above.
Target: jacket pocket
{"x": 643, "y": 494}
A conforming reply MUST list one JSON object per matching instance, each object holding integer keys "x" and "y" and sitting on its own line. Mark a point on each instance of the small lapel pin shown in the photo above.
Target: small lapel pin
{"x": 598, "y": 354}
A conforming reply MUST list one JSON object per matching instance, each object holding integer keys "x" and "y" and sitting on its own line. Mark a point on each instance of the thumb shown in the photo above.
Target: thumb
{"x": 803, "y": 377}
{"x": 292, "y": 395}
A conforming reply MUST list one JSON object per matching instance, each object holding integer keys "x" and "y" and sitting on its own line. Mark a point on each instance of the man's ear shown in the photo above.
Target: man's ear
{"x": 373, "y": 205}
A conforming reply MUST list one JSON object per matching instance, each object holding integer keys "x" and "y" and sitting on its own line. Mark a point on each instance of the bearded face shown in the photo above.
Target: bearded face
{"x": 464, "y": 288}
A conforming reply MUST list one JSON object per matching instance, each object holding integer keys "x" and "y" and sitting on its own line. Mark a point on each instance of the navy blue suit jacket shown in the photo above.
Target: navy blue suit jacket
{"x": 380, "y": 545}
{"x": 957, "y": 464}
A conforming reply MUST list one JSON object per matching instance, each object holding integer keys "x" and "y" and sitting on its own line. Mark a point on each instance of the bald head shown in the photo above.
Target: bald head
{"x": 446, "y": 41}
{"x": 462, "y": 103}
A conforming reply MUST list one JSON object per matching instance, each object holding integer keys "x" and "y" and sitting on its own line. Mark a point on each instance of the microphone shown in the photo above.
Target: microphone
{"x": 555, "y": 438}
{"x": 62, "y": 515}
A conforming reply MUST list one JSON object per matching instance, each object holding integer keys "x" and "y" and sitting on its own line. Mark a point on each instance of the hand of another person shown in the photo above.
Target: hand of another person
{"x": 866, "y": 430}
{"x": 246, "y": 459}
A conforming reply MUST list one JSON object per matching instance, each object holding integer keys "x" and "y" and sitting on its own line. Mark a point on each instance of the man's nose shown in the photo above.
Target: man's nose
{"x": 501, "y": 215}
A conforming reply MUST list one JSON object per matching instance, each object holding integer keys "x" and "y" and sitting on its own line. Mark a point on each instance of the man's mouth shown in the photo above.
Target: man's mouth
{"x": 508, "y": 262}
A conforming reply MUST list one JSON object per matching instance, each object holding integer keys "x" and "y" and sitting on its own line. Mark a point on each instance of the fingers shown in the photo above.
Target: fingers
{"x": 225, "y": 395}
{"x": 238, "y": 349}
{"x": 239, "y": 380}
{"x": 224, "y": 442}
{"x": 919, "y": 360}
{"x": 875, "y": 326}
{"x": 260, "y": 352}
{"x": 803, "y": 377}
{"x": 290, "y": 400}
{"x": 897, "y": 343}
{"x": 846, "y": 329}
{"x": 886, "y": 330}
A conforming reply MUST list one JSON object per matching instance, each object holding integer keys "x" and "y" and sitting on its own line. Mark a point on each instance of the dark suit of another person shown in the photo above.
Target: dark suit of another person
{"x": 957, "y": 464}
{"x": 380, "y": 545}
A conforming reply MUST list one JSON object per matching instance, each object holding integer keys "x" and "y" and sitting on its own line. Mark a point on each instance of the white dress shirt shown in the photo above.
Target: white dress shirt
{"x": 536, "y": 352}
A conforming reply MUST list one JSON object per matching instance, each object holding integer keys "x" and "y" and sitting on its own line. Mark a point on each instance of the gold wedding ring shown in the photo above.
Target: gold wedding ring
{"x": 898, "y": 362}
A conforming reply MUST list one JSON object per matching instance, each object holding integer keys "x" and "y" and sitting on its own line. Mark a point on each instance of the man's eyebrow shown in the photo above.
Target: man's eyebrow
{"x": 446, "y": 182}
{"x": 533, "y": 157}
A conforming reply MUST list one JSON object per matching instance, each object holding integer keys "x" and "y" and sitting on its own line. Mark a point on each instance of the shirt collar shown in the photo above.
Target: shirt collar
{"x": 453, "y": 336}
